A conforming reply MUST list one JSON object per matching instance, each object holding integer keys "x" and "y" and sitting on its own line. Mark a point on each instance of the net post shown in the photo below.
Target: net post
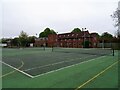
{"x": 52, "y": 48}
{"x": 44, "y": 48}
{"x": 113, "y": 52}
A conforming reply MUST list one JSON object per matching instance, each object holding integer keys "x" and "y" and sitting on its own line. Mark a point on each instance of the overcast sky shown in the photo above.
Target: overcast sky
{"x": 33, "y": 16}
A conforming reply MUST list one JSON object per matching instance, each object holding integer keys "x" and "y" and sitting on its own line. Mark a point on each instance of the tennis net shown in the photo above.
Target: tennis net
{"x": 91, "y": 51}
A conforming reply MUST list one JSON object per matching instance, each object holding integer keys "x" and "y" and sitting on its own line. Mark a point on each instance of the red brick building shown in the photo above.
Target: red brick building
{"x": 52, "y": 40}
{"x": 40, "y": 42}
{"x": 71, "y": 40}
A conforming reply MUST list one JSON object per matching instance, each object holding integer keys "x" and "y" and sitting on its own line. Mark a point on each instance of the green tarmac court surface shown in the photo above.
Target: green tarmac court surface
{"x": 39, "y": 68}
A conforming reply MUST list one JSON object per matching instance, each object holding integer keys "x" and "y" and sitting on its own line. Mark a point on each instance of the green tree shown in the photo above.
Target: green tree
{"x": 46, "y": 32}
{"x": 86, "y": 44}
{"x": 106, "y": 35}
{"x": 23, "y": 39}
{"x": 31, "y": 39}
{"x": 75, "y": 30}
{"x": 42, "y": 34}
{"x": 53, "y": 32}
{"x": 15, "y": 41}
{"x": 3, "y": 40}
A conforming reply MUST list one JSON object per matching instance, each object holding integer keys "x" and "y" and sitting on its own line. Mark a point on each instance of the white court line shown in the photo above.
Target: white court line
{"x": 56, "y": 63}
{"x": 52, "y": 70}
{"x": 31, "y": 76}
{"x": 17, "y": 69}
{"x": 11, "y": 72}
{"x": 68, "y": 66}
{"x": 51, "y": 64}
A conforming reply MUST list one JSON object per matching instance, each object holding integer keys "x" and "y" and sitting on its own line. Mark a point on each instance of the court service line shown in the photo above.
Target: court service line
{"x": 97, "y": 75}
{"x": 51, "y": 64}
{"x": 17, "y": 69}
{"x": 67, "y": 67}
{"x": 13, "y": 70}
{"x": 55, "y": 63}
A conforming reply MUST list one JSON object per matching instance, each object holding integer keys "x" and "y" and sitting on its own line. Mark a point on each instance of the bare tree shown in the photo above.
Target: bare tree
{"x": 116, "y": 18}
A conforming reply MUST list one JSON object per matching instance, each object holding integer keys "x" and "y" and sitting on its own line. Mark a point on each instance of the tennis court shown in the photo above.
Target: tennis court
{"x": 38, "y": 62}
